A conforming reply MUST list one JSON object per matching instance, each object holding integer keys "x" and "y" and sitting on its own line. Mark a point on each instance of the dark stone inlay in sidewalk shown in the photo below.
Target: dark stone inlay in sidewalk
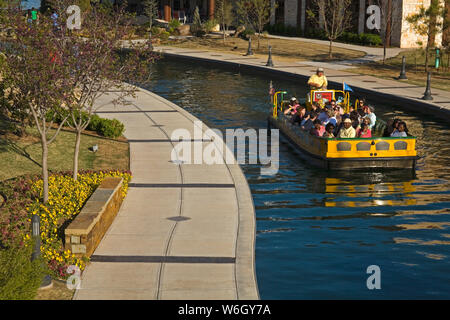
{"x": 181, "y": 185}
{"x": 162, "y": 259}
{"x": 136, "y": 111}
{"x": 179, "y": 218}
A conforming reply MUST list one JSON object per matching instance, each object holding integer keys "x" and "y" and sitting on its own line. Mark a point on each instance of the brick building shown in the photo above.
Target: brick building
{"x": 293, "y": 13}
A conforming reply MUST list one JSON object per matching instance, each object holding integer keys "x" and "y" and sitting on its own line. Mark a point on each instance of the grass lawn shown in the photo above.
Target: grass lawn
{"x": 283, "y": 50}
{"x": 20, "y": 156}
{"x": 415, "y": 69}
{"x": 58, "y": 291}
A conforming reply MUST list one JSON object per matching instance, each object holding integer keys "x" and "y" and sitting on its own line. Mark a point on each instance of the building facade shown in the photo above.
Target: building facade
{"x": 170, "y": 9}
{"x": 294, "y": 13}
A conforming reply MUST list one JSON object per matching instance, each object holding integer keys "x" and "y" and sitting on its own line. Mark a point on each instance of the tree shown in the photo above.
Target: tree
{"x": 224, "y": 14}
{"x": 333, "y": 16}
{"x": 56, "y": 73}
{"x": 151, "y": 11}
{"x": 255, "y": 13}
{"x": 33, "y": 77}
{"x": 197, "y": 25}
{"x": 97, "y": 64}
{"x": 427, "y": 22}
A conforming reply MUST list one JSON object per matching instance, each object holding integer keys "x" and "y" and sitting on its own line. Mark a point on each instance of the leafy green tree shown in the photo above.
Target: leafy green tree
{"x": 255, "y": 14}
{"x": 427, "y": 23}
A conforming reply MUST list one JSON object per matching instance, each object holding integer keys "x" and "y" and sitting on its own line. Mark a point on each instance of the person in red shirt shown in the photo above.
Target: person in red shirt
{"x": 318, "y": 128}
{"x": 364, "y": 131}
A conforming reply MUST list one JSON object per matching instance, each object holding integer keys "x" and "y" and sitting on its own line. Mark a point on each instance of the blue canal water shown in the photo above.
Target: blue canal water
{"x": 318, "y": 231}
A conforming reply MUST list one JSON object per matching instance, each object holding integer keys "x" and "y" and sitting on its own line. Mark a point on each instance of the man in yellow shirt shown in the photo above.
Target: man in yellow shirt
{"x": 318, "y": 81}
{"x": 347, "y": 131}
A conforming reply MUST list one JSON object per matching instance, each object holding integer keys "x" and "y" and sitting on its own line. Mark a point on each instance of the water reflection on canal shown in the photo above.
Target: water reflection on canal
{"x": 317, "y": 231}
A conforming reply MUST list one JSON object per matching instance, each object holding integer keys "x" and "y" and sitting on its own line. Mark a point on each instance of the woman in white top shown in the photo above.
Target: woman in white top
{"x": 401, "y": 131}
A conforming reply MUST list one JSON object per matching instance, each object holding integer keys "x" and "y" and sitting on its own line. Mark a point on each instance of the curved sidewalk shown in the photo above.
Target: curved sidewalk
{"x": 384, "y": 90}
{"x": 184, "y": 231}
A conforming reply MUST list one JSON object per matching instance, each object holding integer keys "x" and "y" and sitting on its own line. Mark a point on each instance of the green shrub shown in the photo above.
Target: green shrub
{"x": 19, "y": 277}
{"x": 111, "y": 128}
{"x": 209, "y": 25}
{"x": 174, "y": 23}
{"x": 368, "y": 39}
{"x": 105, "y": 127}
{"x": 155, "y": 31}
{"x": 164, "y": 35}
{"x": 94, "y": 123}
{"x": 247, "y": 33}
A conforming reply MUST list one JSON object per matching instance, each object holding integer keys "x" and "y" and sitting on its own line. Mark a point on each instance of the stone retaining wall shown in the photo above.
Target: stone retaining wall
{"x": 84, "y": 234}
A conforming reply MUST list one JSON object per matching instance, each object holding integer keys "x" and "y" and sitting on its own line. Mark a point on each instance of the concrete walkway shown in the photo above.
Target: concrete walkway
{"x": 405, "y": 94}
{"x": 184, "y": 231}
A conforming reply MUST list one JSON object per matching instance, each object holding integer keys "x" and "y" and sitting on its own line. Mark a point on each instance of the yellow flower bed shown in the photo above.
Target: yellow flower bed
{"x": 66, "y": 199}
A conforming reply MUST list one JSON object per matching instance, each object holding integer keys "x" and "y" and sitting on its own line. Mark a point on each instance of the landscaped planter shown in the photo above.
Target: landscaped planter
{"x": 85, "y": 232}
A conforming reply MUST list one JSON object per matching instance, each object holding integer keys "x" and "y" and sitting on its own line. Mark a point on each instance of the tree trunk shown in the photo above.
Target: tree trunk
{"x": 330, "y": 52}
{"x": 75, "y": 156}
{"x": 384, "y": 52}
{"x": 44, "y": 167}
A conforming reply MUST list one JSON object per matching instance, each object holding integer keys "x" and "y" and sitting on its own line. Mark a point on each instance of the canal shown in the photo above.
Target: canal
{"x": 318, "y": 231}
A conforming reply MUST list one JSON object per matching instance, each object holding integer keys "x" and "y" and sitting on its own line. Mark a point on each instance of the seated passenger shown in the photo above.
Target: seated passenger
{"x": 364, "y": 131}
{"x": 367, "y": 121}
{"x": 308, "y": 122}
{"x": 323, "y": 115}
{"x": 331, "y": 118}
{"x": 369, "y": 113}
{"x": 329, "y": 131}
{"x": 391, "y": 126}
{"x": 315, "y": 107}
{"x": 354, "y": 116}
{"x": 318, "y": 128}
{"x": 401, "y": 131}
{"x": 361, "y": 104}
{"x": 292, "y": 109}
{"x": 299, "y": 115}
{"x": 347, "y": 131}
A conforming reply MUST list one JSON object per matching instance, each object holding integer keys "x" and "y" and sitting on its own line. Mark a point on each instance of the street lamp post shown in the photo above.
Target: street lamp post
{"x": 36, "y": 234}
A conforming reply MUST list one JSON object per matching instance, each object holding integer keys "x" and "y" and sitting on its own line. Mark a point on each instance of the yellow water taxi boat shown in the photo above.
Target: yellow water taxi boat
{"x": 343, "y": 154}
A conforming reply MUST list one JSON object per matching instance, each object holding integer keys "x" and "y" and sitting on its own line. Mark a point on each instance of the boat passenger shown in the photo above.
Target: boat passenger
{"x": 331, "y": 117}
{"x": 401, "y": 131}
{"x": 391, "y": 126}
{"x": 308, "y": 123}
{"x": 315, "y": 107}
{"x": 368, "y": 110}
{"x": 293, "y": 105}
{"x": 323, "y": 115}
{"x": 347, "y": 131}
{"x": 318, "y": 128}
{"x": 299, "y": 115}
{"x": 329, "y": 130}
{"x": 354, "y": 116}
{"x": 318, "y": 81}
{"x": 364, "y": 131}
{"x": 361, "y": 104}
